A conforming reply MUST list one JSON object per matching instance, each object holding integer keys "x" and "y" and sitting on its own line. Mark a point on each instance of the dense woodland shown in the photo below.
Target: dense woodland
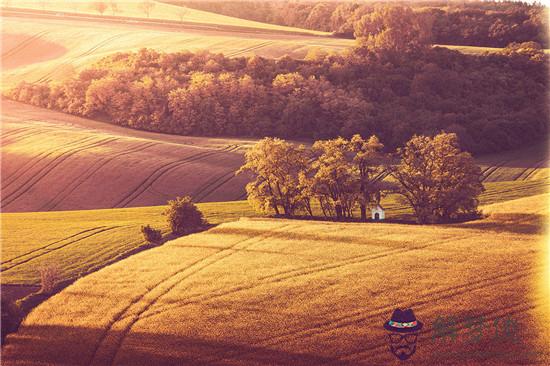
{"x": 490, "y": 24}
{"x": 393, "y": 85}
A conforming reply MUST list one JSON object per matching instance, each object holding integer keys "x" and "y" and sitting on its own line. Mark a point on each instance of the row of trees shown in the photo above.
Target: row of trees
{"x": 393, "y": 87}
{"x": 437, "y": 179}
{"x": 493, "y": 24}
{"x": 146, "y": 6}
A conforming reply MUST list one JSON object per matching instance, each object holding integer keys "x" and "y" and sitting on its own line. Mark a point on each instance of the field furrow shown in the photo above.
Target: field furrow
{"x": 312, "y": 292}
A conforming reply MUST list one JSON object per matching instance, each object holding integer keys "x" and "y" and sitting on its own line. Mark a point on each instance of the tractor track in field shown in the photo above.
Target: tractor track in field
{"x": 46, "y": 78}
{"x": 186, "y": 272}
{"x": 359, "y": 316}
{"x": 492, "y": 169}
{"x": 166, "y": 168}
{"x": 22, "y": 135}
{"x": 530, "y": 171}
{"x": 14, "y": 131}
{"x": 92, "y": 169}
{"x": 248, "y": 49}
{"x": 299, "y": 272}
{"x": 485, "y": 195}
{"x": 39, "y": 158}
{"x": 24, "y": 44}
{"x": 499, "y": 193}
{"x": 211, "y": 186}
{"x": 294, "y": 273}
{"x": 99, "y": 230}
{"x": 25, "y": 187}
{"x": 50, "y": 244}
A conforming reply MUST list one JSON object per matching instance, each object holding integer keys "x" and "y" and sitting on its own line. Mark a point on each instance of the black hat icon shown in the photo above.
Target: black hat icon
{"x": 403, "y": 321}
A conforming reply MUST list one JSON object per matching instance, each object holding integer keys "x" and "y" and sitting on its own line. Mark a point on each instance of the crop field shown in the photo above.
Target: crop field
{"x": 42, "y": 50}
{"x": 260, "y": 290}
{"x": 530, "y": 163}
{"x": 78, "y": 242}
{"x": 160, "y": 11}
{"x": 77, "y": 166}
{"x": 54, "y": 166}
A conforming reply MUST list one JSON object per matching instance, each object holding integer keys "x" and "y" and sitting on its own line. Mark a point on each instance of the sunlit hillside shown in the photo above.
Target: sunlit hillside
{"x": 304, "y": 293}
{"x": 79, "y": 242}
{"x": 158, "y": 10}
{"x": 37, "y": 50}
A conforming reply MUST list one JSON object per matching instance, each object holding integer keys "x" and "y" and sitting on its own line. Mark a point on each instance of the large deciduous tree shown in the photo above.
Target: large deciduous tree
{"x": 369, "y": 165}
{"x": 437, "y": 179}
{"x": 277, "y": 166}
{"x": 333, "y": 181}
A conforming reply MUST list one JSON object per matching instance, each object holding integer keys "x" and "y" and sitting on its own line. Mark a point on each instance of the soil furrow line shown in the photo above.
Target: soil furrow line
{"x": 111, "y": 356}
{"x": 39, "y": 158}
{"x": 96, "y": 166}
{"x": 48, "y": 251}
{"x": 25, "y": 187}
{"x": 50, "y": 244}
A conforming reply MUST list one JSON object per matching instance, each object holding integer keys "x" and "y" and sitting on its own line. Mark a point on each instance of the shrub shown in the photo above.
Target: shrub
{"x": 49, "y": 277}
{"x": 183, "y": 216}
{"x": 151, "y": 235}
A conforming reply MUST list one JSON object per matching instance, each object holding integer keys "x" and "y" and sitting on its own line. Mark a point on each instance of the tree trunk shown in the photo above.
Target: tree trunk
{"x": 338, "y": 211}
{"x": 363, "y": 212}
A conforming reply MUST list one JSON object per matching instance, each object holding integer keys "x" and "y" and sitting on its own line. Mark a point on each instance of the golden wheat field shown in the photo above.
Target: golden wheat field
{"x": 56, "y": 162}
{"x": 160, "y": 10}
{"x": 42, "y": 50}
{"x": 261, "y": 291}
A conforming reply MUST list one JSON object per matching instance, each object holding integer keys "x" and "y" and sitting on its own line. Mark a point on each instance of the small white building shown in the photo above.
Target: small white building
{"x": 378, "y": 213}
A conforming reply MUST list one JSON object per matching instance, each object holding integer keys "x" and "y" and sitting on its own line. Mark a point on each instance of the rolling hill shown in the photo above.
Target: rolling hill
{"x": 51, "y": 165}
{"x": 41, "y": 50}
{"x": 159, "y": 11}
{"x": 53, "y": 161}
{"x": 258, "y": 291}
{"x": 80, "y": 242}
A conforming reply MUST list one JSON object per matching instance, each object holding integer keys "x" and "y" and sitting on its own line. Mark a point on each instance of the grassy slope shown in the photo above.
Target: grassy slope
{"x": 78, "y": 242}
{"x": 131, "y": 8}
{"x": 28, "y": 59}
{"x": 304, "y": 293}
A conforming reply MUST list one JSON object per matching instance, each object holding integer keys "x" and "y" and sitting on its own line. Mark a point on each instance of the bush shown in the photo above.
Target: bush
{"x": 151, "y": 235}
{"x": 183, "y": 216}
{"x": 49, "y": 277}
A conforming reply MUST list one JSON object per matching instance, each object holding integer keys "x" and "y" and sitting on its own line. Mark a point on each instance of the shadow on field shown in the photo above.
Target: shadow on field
{"x": 516, "y": 223}
{"x": 41, "y": 345}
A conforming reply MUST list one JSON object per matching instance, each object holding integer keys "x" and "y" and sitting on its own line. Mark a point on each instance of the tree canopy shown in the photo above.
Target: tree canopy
{"x": 437, "y": 179}
{"x": 492, "y": 102}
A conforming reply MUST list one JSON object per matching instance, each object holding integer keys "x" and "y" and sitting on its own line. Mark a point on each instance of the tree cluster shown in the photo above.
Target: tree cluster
{"x": 437, "y": 179}
{"x": 483, "y": 23}
{"x": 492, "y": 102}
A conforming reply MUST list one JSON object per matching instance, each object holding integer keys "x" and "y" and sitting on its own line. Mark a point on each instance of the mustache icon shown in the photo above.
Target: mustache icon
{"x": 404, "y": 348}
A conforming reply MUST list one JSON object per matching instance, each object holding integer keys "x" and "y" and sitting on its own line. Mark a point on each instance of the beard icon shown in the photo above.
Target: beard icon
{"x": 403, "y": 333}
{"x": 403, "y": 346}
